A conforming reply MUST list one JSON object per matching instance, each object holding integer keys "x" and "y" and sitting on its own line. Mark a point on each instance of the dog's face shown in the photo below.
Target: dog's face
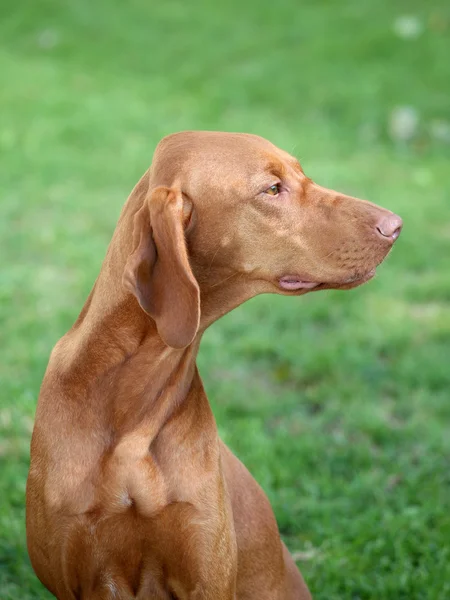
{"x": 255, "y": 213}
{"x": 232, "y": 216}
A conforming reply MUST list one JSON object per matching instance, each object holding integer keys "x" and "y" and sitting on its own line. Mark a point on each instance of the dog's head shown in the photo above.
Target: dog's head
{"x": 228, "y": 216}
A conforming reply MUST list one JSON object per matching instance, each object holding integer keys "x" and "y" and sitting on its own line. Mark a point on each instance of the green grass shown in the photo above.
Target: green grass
{"x": 339, "y": 403}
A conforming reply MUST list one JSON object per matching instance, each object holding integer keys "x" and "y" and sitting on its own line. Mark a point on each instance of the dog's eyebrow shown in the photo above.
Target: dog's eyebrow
{"x": 276, "y": 168}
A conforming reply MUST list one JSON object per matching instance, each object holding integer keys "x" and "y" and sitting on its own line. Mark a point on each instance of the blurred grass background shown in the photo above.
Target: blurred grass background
{"x": 338, "y": 403}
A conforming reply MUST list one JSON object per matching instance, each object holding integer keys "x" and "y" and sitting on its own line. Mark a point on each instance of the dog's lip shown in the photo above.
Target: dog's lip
{"x": 291, "y": 282}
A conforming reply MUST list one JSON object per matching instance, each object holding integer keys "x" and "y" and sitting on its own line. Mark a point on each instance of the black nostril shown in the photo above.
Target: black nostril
{"x": 390, "y": 235}
{"x": 384, "y": 233}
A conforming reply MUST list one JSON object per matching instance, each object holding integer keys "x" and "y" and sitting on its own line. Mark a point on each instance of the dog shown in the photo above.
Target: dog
{"x": 131, "y": 493}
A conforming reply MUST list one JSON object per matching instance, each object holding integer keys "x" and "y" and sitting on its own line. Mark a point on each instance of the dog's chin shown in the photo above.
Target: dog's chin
{"x": 349, "y": 284}
{"x": 297, "y": 287}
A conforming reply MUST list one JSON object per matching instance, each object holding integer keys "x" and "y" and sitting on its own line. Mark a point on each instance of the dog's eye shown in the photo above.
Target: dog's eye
{"x": 274, "y": 190}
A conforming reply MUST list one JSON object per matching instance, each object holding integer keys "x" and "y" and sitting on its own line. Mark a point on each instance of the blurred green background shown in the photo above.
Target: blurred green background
{"x": 339, "y": 402}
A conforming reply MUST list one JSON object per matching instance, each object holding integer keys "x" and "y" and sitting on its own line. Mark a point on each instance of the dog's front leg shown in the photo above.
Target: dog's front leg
{"x": 217, "y": 582}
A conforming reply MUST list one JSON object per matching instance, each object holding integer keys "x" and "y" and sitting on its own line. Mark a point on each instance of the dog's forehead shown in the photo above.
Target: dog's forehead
{"x": 202, "y": 149}
{"x": 197, "y": 140}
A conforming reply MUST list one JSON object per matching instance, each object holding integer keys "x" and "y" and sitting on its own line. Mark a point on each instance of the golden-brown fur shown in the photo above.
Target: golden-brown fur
{"x": 131, "y": 493}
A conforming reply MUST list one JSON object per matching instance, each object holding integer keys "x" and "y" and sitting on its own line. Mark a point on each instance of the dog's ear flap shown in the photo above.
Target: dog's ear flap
{"x": 158, "y": 272}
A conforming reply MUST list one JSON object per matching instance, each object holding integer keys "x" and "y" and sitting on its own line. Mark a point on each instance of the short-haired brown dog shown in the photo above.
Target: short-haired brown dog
{"x": 131, "y": 493}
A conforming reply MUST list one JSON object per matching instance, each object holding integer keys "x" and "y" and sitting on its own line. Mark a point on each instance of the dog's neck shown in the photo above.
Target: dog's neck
{"x": 131, "y": 399}
{"x": 115, "y": 351}
{"x": 114, "y": 347}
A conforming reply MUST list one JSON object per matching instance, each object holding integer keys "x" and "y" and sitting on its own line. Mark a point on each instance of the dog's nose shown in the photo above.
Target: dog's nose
{"x": 390, "y": 226}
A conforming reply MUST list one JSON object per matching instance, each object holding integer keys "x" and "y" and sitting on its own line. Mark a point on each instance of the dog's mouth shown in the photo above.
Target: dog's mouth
{"x": 293, "y": 284}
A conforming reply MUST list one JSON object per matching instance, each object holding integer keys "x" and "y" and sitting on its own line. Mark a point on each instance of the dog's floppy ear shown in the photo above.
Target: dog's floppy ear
{"x": 158, "y": 272}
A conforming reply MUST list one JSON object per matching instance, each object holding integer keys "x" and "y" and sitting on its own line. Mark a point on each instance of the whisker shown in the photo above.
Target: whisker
{"x": 330, "y": 253}
{"x": 226, "y": 279}
{"x": 215, "y": 254}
